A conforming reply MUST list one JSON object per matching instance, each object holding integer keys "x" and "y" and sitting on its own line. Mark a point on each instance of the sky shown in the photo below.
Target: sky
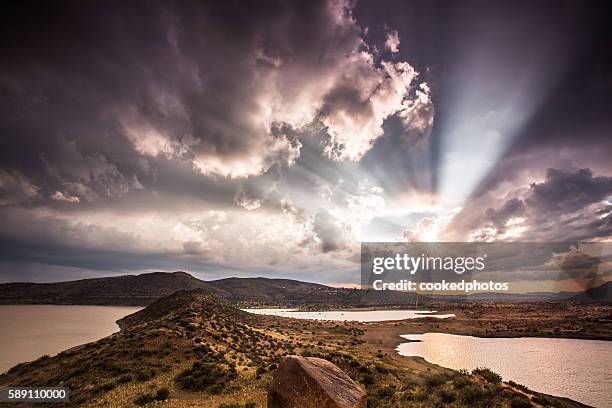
{"x": 271, "y": 139}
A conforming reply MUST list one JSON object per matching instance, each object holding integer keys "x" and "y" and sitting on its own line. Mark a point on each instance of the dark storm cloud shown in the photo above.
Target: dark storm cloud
{"x": 95, "y": 94}
{"x": 565, "y": 192}
{"x": 512, "y": 208}
{"x": 567, "y": 205}
{"x": 87, "y": 79}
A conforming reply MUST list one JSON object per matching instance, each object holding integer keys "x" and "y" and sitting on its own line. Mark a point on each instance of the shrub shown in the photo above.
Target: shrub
{"x": 460, "y": 381}
{"x": 367, "y": 379}
{"x": 420, "y": 395}
{"x": 208, "y": 377}
{"x": 126, "y": 378}
{"x": 143, "y": 399}
{"x": 518, "y": 386}
{"x": 542, "y": 400}
{"x": 162, "y": 394}
{"x": 488, "y": 375}
{"x": 105, "y": 387}
{"x": 385, "y": 392}
{"x": 472, "y": 394}
{"x": 435, "y": 380}
{"x": 145, "y": 374}
{"x": 446, "y": 396}
{"x": 520, "y": 402}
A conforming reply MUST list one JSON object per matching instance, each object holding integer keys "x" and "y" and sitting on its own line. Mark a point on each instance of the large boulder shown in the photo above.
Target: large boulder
{"x": 308, "y": 382}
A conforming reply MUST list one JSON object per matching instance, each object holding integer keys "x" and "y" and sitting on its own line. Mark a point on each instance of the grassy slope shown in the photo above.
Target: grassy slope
{"x": 237, "y": 352}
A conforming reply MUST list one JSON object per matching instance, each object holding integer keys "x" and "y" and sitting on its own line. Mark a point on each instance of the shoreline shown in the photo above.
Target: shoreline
{"x": 171, "y": 331}
{"x": 494, "y": 321}
{"x": 392, "y": 339}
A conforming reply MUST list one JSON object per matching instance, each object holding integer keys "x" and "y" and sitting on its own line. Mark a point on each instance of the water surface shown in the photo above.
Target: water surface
{"x": 577, "y": 369}
{"x": 351, "y": 315}
{"x": 31, "y": 331}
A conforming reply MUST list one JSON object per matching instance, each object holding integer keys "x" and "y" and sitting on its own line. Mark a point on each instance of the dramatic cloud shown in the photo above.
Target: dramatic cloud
{"x": 499, "y": 217}
{"x": 356, "y": 108}
{"x": 87, "y": 176}
{"x": 567, "y": 205}
{"x": 227, "y": 107}
{"x": 270, "y": 139}
{"x": 566, "y": 192}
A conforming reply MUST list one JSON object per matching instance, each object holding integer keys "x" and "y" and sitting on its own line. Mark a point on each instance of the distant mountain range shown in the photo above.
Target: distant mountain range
{"x": 144, "y": 289}
{"x": 512, "y": 297}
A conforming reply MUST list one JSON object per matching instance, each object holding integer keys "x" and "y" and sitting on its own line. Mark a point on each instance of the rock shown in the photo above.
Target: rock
{"x": 308, "y": 382}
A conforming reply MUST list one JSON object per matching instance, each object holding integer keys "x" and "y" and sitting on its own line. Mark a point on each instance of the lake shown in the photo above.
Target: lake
{"x": 31, "y": 331}
{"x": 577, "y": 369}
{"x": 351, "y": 315}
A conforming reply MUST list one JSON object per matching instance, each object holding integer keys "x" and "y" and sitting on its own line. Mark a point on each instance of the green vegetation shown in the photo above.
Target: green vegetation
{"x": 145, "y": 374}
{"x": 520, "y": 402}
{"x": 518, "y": 386}
{"x": 104, "y": 387}
{"x": 162, "y": 394}
{"x": 209, "y": 377}
{"x": 488, "y": 375}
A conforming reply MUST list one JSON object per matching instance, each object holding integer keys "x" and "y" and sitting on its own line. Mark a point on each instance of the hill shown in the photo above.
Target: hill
{"x": 143, "y": 289}
{"x": 272, "y": 291}
{"x": 602, "y": 293}
{"x": 126, "y": 290}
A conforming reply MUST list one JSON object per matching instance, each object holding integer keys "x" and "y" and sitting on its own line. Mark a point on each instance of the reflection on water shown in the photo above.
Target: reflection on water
{"x": 351, "y": 315}
{"x": 31, "y": 331}
{"x": 577, "y": 369}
